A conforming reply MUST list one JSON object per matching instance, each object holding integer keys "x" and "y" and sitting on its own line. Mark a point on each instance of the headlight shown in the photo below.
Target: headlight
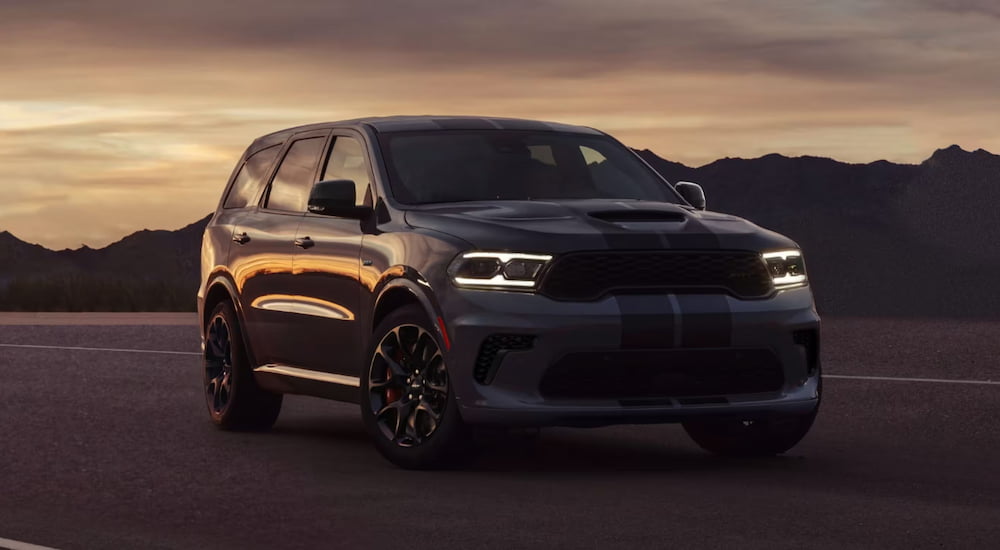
{"x": 786, "y": 267}
{"x": 500, "y": 270}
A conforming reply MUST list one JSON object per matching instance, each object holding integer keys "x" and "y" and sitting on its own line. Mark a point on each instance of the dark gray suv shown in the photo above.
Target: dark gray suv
{"x": 451, "y": 272}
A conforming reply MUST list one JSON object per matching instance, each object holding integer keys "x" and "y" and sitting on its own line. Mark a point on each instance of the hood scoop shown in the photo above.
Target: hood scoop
{"x": 632, "y": 216}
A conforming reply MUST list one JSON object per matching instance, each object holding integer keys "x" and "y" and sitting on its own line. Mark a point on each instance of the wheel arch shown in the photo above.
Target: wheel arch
{"x": 405, "y": 286}
{"x": 220, "y": 288}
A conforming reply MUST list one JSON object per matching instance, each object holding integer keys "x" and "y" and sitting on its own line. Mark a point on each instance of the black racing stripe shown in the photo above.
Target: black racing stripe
{"x": 695, "y": 241}
{"x": 647, "y": 321}
{"x": 706, "y": 321}
{"x": 620, "y": 239}
{"x": 695, "y": 236}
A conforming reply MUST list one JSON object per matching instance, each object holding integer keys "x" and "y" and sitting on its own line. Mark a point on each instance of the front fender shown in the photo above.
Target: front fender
{"x": 401, "y": 278}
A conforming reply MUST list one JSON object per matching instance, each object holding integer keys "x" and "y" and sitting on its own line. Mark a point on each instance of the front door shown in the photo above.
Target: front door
{"x": 327, "y": 269}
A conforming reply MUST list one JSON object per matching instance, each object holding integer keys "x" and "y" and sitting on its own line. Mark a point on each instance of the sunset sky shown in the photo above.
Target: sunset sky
{"x": 124, "y": 114}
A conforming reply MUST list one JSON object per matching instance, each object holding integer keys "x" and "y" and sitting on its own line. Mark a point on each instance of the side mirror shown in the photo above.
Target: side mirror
{"x": 336, "y": 198}
{"x": 692, "y": 192}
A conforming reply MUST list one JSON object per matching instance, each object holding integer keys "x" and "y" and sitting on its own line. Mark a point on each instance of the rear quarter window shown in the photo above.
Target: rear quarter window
{"x": 250, "y": 178}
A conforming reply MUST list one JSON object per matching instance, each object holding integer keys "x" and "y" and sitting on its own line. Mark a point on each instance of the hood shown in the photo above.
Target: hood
{"x": 594, "y": 224}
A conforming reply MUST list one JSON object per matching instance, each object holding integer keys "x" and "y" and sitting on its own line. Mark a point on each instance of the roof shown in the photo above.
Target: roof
{"x": 428, "y": 122}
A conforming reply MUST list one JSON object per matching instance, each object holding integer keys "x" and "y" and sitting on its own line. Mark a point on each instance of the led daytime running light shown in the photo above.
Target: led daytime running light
{"x": 499, "y": 280}
{"x": 788, "y": 279}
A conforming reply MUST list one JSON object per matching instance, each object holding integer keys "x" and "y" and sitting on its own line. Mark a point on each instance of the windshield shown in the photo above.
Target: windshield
{"x": 485, "y": 165}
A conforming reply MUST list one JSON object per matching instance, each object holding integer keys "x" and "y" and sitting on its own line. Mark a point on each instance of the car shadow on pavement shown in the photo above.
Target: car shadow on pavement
{"x": 616, "y": 449}
{"x": 333, "y": 429}
{"x": 589, "y": 451}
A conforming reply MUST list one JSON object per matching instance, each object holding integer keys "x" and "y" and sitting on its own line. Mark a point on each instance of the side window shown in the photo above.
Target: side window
{"x": 347, "y": 162}
{"x": 294, "y": 179}
{"x": 250, "y": 177}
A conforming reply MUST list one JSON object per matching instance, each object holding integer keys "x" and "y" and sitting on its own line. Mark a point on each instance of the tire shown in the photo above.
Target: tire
{"x": 407, "y": 401}
{"x": 235, "y": 401}
{"x": 750, "y": 437}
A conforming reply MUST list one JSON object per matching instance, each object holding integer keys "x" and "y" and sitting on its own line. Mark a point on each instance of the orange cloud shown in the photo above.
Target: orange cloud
{"x": 118, "y": 115}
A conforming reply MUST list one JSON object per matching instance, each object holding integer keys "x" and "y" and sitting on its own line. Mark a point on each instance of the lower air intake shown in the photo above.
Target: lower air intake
{"x": 643, "y": 374}
{"x": 492, "y": 350}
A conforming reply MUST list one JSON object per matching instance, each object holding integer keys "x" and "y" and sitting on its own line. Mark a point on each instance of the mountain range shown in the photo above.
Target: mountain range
{"x": 145, "y": 271}
{"x": 880, "y": 239}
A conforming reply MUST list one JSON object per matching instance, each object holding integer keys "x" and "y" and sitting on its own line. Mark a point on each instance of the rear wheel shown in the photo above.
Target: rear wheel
{"x": 407, "y": 400}
{"x": 234, "y": 400}
{"x": 763, "y": 436}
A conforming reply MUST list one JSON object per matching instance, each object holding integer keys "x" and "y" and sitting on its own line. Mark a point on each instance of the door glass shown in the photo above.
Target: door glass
{"x": 249, "y": 179}
{"x": 347, "y": 162}
{"x": 291, "y": 185}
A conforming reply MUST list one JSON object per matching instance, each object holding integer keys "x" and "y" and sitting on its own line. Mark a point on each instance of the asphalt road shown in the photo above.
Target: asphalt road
{"x": 109, "y": 449}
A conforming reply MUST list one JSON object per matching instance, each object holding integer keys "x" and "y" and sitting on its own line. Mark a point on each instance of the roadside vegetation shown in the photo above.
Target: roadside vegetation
{"x": 80, "y": 292}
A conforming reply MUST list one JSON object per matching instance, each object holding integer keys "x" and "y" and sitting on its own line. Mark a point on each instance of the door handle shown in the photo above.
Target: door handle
{"x": 241, "y": 238}
{"x": 304, "y": 242}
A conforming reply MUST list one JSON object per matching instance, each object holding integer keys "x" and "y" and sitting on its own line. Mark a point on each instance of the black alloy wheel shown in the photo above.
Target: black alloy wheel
{"x": 408, "y": 398}
{"x": 408, "y": 385}
{"x": 218, "y": 365}
{"x": 754, "y": 437}
{"x": 235, "y": 401}
{"x": 750, "y": 437}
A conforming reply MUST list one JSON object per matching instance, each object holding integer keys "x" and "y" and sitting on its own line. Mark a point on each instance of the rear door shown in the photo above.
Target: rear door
{"x": 240, "y": 202}
{"x": 327, "y": 270}
{"x": 264, "y": 249}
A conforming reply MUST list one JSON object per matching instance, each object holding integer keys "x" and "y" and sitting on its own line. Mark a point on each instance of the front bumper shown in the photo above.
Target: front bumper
{"x": 513, "y": 393}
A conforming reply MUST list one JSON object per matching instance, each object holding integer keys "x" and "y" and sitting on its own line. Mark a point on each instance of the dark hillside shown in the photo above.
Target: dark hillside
{"x": 145, "y": 271}
{"x": 880, "y": 238}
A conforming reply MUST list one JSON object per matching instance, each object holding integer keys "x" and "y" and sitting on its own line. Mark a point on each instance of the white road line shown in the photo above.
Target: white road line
{"x": 18, "y": 545}
{"x": 164, "y": 352}
{"x": 932, "y": 380}
{"x": 841, "y": 376}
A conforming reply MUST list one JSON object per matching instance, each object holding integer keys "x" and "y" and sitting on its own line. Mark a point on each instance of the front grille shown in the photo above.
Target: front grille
{"x": 492, "y": 350}
{"x": 645, "y": 374}
{"x": 586, "y": 276}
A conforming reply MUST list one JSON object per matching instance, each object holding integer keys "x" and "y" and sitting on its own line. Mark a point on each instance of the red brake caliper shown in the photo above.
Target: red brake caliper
{"x": 392, "y": 394}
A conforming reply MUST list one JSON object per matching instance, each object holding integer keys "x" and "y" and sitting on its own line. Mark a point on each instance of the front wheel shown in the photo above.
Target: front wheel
{"x": 407, "y": 399}
{"x": 763, "y": 436}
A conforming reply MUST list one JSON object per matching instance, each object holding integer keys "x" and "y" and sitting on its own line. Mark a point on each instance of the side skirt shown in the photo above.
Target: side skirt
{"x": 289, "y": 379}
